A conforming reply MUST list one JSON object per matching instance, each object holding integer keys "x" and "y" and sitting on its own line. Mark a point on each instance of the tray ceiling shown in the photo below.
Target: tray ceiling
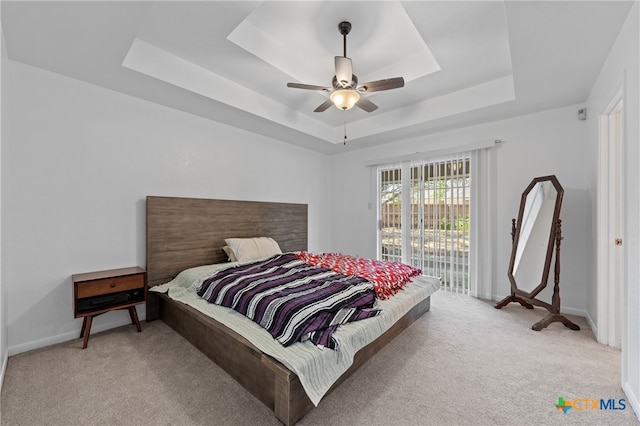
{"x": 463, "y": 62}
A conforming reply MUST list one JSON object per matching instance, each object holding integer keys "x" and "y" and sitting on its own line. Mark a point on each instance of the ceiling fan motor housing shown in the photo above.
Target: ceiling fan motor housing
{"x": 337, "y": 85}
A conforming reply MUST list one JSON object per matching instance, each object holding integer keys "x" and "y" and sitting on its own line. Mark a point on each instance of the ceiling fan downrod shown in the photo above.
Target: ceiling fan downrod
{"x": 345, "y": 28}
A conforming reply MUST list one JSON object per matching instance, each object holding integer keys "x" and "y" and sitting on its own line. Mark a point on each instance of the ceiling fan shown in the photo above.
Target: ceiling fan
{"x": 345, "y": 91}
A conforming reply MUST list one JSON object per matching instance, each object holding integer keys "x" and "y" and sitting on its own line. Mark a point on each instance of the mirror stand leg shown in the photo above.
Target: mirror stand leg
{"x": 554, "y": 318}
{"x": 513, "y": 298}
{"x": 554, "y": 309}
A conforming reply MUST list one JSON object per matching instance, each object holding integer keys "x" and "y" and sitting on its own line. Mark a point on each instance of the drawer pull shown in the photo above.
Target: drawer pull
{"x": 113, "y": 285}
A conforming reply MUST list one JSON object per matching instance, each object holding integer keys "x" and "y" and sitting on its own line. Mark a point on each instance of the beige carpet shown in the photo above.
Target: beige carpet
{"x": 464, "y": 363}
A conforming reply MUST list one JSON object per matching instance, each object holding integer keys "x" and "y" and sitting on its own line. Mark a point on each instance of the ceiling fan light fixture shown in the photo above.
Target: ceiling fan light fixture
{"x": 344, "y": 99}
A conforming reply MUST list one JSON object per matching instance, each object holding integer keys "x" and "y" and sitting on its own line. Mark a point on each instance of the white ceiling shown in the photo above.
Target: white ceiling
{"x": 463, "y": 62}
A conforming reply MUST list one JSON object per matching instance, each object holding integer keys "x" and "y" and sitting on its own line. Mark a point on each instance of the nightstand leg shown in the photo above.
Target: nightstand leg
{"x": 134, "y": 318}
{"x": 86, "y": 328}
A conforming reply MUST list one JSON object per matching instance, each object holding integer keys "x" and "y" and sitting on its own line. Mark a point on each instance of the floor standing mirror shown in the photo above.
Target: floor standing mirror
{"x": 536, "y": 237}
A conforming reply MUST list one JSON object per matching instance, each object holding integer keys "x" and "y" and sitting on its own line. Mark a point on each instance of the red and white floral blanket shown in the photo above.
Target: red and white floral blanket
{"x": 387, "y": 277}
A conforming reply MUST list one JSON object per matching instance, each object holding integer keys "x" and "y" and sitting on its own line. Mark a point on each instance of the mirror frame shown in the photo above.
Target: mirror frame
{"x": 550, "y": 242}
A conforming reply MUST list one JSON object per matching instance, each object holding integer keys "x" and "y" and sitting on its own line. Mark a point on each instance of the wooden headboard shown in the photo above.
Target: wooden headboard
{"x": 187, "y": 232}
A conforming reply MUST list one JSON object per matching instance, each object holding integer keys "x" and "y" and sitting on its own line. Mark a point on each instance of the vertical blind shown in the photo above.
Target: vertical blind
{"x": 433, "y": 204}
{"x": 390, "y": 214}
{"x": 440, "y": 192}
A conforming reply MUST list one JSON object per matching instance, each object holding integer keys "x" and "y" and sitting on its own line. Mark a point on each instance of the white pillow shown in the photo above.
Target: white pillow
{"x": 231, "y": 257}
{"x": 250, "y": 249}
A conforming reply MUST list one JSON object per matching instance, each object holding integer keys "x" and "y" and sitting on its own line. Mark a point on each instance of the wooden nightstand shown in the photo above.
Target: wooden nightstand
{"x": 95, "y": 293}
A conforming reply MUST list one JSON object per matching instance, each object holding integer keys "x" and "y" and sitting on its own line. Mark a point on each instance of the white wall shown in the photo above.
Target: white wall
{"x": 621, "y": 69}
{"x": 77, "y": 164}
{"x": 3, "y": 299}
{"x": 551, "y": 142}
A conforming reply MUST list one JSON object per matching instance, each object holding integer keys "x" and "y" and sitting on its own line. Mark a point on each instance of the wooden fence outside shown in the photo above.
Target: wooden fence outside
{"x": 434, "y": 214}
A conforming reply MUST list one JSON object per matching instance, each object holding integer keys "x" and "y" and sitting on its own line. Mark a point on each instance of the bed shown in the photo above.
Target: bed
{"x": 185, "y": 233}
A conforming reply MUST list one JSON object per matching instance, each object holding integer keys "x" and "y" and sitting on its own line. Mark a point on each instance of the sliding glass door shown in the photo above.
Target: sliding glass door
{"x": 424, "y": 214}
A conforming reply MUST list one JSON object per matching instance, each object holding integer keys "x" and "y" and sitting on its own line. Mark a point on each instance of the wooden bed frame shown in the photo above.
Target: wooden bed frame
{"x": 187, "y": 232}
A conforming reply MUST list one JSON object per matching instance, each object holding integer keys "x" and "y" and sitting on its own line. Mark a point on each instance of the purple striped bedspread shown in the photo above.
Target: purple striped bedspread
{"x": 292, "y": 300}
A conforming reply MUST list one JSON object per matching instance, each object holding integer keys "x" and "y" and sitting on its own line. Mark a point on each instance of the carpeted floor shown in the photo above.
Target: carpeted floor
{"x": 463, "y": 363}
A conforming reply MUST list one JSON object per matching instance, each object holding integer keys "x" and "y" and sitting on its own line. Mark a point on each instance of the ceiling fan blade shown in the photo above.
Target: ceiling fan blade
{"x": 344, "y": 70}
{"x": 380, "y": 85}
{"x": 308, "y": 87}
{"x": 324, "y": 106}
{"x": 366, "y": 105}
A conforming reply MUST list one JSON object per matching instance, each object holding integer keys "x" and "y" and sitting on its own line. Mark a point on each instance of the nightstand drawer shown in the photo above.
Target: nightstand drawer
{"x": 110, "y": 285}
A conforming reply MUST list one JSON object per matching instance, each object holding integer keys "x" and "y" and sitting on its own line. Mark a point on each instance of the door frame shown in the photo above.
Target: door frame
{"x": 610, "y": 223}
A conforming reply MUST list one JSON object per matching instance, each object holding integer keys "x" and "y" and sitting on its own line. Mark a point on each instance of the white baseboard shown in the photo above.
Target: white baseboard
{"x": 573, "y": 311}
{"x": 485, "y": 296}
{"x": 632, "y": 399}
{"x": 496, "y": 298}
{"x": 5, "y": 358}
{"x": 593, "y": 326}
{"x": 65, "y": 337}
